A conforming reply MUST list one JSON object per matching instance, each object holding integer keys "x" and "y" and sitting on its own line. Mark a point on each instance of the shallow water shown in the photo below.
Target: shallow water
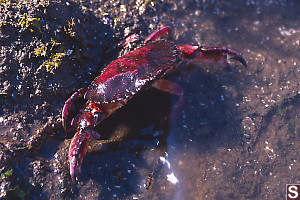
{"x": 235, "y": 137}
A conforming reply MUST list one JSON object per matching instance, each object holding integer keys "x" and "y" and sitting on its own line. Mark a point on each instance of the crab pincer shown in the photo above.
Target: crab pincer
{"x": 78, "y": 149}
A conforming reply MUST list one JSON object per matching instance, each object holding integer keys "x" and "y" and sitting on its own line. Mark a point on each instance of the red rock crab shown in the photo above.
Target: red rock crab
{"x": 126, "y": 76}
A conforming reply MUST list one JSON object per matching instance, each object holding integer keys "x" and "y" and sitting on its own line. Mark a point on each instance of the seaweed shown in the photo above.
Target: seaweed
{"x": 54, "y": 53}
{"x": 30, "y": 23}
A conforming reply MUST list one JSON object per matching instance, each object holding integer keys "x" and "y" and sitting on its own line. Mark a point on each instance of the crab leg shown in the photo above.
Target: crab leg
{"x": 159, "y": 33}
{"x": 128, "y": 40}
{"x": 79, "y": 94}
{"x": 210, "y": 54}
{"x": 172, "y": 88}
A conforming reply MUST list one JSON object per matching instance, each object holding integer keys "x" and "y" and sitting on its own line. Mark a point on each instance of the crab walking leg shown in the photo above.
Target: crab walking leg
{"x": 210, "y": 54}
{"x": 172, "y": 88}
{"x": 113, "y": 139}
{"x": 159, "y": 33}
{"x": 79, "y": 94}
{"x": 128, "y": 40}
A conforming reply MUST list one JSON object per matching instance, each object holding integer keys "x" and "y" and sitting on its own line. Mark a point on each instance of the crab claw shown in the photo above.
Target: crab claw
{"x": 68, "y": 107}
{"x": 210, "y": 54}
{"x": 231, "y": 54}
{"x": 78, "y": 149}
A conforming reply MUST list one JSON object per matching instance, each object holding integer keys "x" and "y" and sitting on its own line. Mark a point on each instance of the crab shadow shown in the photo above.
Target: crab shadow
{"x": 149, "y": 131}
